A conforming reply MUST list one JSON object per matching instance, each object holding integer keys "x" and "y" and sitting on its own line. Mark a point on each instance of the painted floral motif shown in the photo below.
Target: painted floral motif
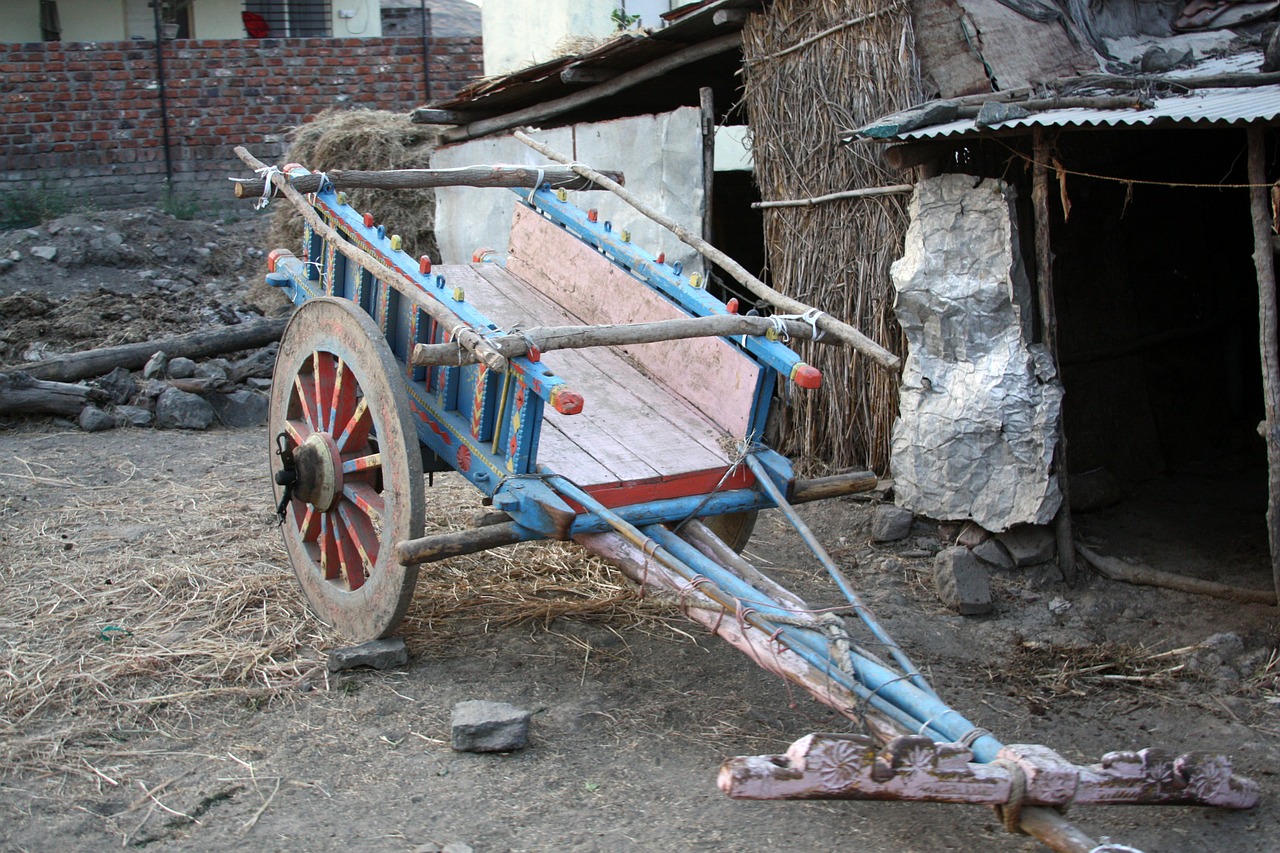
{"x": 838, "y": 765}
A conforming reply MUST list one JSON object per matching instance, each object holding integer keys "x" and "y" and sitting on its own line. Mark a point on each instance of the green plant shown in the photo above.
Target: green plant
{"x": 183, "y": 206}
{"x": 27, "y": 208}
{"x": 622, "y": 20}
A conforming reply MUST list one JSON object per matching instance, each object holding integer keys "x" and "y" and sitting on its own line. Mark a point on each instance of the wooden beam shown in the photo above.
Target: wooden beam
{"x": 547, "y": 338}
{"x": 707, "y": 106}
{"x": 20, "y": 394}
{"x": 1265, "y": 264}
{"x": 836, "y": 328}
{"x": 623, "y": 81}
{"x": 418, "y": 179}
{"x": 1049, "y": 337}
{"x": 431, "y": 549}
{"x": 581, "y": 75}
{"x": 198, "y": 344}
{"x": 730, "y": 18}
{"x": 834, "y": 486}
{"x": 1119, "y": 570}
{"x": 427, "y": 115}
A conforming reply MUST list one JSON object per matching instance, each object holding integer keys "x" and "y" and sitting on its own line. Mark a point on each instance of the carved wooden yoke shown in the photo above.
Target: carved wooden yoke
{"x": 852, "y": 767}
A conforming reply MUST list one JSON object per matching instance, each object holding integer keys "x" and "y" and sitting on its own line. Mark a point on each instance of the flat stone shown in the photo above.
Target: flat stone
{"x": 1028, "y": 544}
{"x": 891, "y": 523}
{"x": 480, "y": 726}
{"x": 48, "y": 253}
{"x": 181, "y": 368}
{"x": 156, "y": 366}
{"x": 138, "y": 416}
{"x": 241, "y": 408}
{"x": 258, "y": 383}
{"x": 961, "y": 581}
{"x": 93, "y": 419}
{"x": 377, "y": 654}
{"x": 180, "y": 410}
{"x": 972, "y": 535}
{"x": 994, "y": 554}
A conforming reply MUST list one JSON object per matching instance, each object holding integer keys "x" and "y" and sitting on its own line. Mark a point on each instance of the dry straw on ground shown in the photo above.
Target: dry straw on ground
{"x": 146, "y": 602}
{"x": 801, "y": 91}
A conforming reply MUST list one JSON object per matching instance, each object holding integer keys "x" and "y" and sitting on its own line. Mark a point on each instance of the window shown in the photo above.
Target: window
{"x": 287, "y": 18}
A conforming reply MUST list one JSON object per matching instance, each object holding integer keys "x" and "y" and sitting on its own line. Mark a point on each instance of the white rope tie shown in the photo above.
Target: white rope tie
{"x": 541, "y": 173}
{"x": 268, "y": 186}
{"x": 1108, "y": 847}
{"x": 325, "y": 183}
{"x": 779, "y": 324}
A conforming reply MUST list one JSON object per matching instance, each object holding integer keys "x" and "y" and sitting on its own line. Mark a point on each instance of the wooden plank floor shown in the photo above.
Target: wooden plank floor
{"x": 631, "y": 428}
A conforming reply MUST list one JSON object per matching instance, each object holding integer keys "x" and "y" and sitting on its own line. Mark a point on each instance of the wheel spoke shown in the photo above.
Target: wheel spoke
{"x": 356, "y": 431}
{"x": 298, "y": 431}
{"x": 304, "y": 389}
{"x": 343, "y": 400}
{"x": 366, "y": 499}
{"x": 330, "y": 559}
{"x": 308, "y": 520}
{"x": 324, "y": 369}
{"x": 362, "y": 533}
{"x": 353, "y": 561}
{"x": 361, "y": 463}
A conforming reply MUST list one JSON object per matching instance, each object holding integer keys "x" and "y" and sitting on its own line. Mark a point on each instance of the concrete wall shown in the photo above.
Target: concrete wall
{"x": 86, "y": 117}
{"x": 91, "y": 20}
{"x": 20, "y": 21}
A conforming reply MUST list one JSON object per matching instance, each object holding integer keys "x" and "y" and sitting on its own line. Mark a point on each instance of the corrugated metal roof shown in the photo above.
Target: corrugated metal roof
{"x": 1199, "y": 107}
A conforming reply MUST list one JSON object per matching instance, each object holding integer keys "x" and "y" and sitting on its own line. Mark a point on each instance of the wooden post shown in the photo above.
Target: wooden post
{"x": 706, "y": 101}
{"x": 1264, "y": 262}
{"x": 1049, "y": 335}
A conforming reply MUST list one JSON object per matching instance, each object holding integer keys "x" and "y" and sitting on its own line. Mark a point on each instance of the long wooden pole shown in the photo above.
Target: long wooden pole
{"x": 416, "y": 179}
{"x": 625, "y": 80}
{"x": 1264, "y": 263}
{"x": 1049, "y": 336}
{"x": 839, "y": 330}
{"x": 547, "y": 338}
{"x": 458, "y": 328}
{"x": 707, "y": 107}
{"x": 1119, "y": 570}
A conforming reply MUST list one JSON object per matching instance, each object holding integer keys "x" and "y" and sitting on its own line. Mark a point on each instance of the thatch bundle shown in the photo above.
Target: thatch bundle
{"x": 799, "y": 95}
{"x": 369, "y": 140}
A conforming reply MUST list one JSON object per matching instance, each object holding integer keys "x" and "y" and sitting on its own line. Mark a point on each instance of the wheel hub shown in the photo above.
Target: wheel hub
{"x": 318, "y": 466}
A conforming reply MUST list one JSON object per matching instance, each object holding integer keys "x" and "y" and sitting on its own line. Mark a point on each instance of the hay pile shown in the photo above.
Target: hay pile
{"x": 799, "y": 95}
{"x": 369, "y": 140}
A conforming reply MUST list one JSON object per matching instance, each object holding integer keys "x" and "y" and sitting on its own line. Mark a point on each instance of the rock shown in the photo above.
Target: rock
{"x": 93, "y": 419}
{"x": 1028, "y": 544}
{"x": 891, "y": 523}
{"x": 182, "y": 368}
{"x": 480, "y": 726}
{"x": 456, "y": 847}
{"x": 997, "y": 112}
{"x": 1218, "y": 657}
{"x": 156, "y": 366}
{"x": 179, "y": 410}
{"x": 259, "y": 383}
{"x": 993, "y": 553}
{"x": 119, "y": 385}
{"x": 241, "y": 408}
{"x": 1059, "y": 605}
{"x": 1156, "y": 61}
{"x": 378, "y": 654}
{"x": 214, "y": 368}
{"x": 972, "y": 535}
{"x": 138, "y": 416}
{"x": 48, "y": 253}
{"x": 961, "y": 581}
{"x": 1271, "y": 55}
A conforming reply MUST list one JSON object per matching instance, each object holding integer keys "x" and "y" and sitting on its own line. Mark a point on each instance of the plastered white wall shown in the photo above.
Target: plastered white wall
{"x": 518, "y": 33}
{"x": 20, "y": 22}
{"x": 661, "y": 156}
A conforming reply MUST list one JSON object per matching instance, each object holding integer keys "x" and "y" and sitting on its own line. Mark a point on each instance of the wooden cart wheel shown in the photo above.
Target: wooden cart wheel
{"x": 340, "y": 413}
{"x": 733, "y": 529}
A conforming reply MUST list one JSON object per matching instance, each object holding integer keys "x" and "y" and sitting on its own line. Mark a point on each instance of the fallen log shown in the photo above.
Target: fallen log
{"x": 556, "y": 177}
{"x": 1119, "y": 570}
{"x": 837, "y": 329}
{"x": 198, "y": 344}
{"x": 22, "y": 394}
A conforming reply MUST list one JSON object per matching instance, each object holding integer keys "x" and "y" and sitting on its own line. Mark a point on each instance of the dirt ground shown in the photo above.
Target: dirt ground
{"x": 164, "y": 687}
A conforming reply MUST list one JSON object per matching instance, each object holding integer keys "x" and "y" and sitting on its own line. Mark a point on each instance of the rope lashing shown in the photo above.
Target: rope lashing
{"x": 778, "y": 324}
{"x": 325, "y": 183}
{"x": 536, "y": 184}
{"x": 1010, "y": 813}
{"x": 268, "y": 185}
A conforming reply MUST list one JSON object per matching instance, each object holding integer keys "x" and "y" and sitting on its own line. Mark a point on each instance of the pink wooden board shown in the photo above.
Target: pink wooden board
{"x": 711, "y": 374}
{"x": 631, "y": 428}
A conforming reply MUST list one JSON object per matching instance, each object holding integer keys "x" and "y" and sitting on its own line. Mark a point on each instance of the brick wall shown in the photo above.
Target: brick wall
{"x": 86, "y": 117}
